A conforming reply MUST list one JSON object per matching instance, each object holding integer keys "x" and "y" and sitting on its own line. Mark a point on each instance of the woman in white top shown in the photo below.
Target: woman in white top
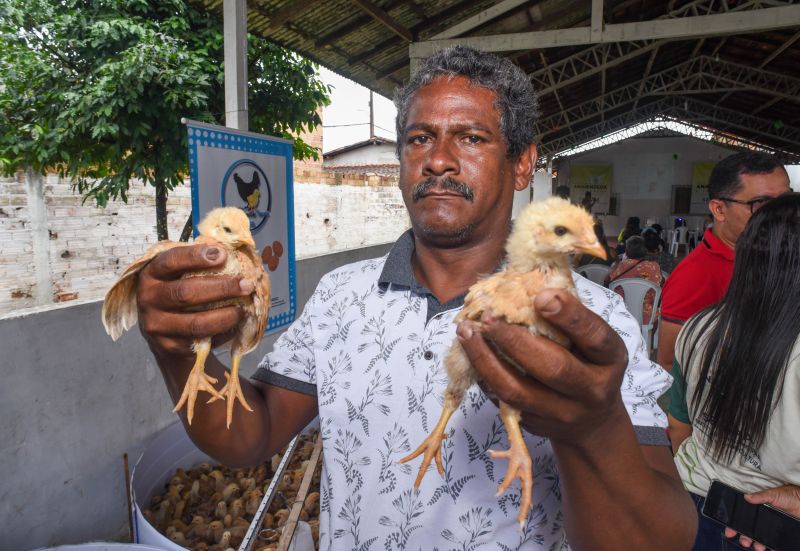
{"x": 735, "y": 402}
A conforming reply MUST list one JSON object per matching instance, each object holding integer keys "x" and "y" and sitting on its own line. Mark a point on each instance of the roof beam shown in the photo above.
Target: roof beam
{"x": 701, "y": 75}
{"x": 699, "y": 114}
{"x": 479, "y": 19}
{"x": 384, "y": 19}
{"x": 678, "y": 28}
{"x": 779, "y": 50}
{"x": 290, "y": 11}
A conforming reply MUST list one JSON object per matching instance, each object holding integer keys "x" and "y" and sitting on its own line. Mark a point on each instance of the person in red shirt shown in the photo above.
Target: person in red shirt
{"x": 738, "y": 186}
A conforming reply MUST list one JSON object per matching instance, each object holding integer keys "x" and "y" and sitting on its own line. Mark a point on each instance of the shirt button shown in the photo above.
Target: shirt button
{"x": 428, "y": 355}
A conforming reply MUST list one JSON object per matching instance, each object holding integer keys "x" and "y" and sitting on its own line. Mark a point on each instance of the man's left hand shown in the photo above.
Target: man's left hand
{"x": 564, "y": 394}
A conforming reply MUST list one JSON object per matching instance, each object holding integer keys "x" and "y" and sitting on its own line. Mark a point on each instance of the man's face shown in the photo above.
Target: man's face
{"x": 734, "y": 216}
{"x": 454, "y": 175}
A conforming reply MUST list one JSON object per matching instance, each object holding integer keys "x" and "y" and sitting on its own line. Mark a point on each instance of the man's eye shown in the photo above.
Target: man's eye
{"x": 419, "y": 140}
{"x": 474, "y": 139}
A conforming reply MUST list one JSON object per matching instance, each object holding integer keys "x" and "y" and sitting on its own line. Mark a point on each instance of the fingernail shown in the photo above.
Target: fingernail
{"x": 212, "y": 253}
{"x": 488, "y": 317}
{"x": 552, "y": 306}
{"x": 246, "y": 285}
{"x": 464, "y": 330}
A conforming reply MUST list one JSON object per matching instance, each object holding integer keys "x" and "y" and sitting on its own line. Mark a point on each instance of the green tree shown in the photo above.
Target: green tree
{"x": 95, "y": 89}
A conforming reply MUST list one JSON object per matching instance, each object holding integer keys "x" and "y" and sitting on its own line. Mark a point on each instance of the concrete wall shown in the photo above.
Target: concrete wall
{"x": 54, "y": 249}
{"x": 72, "y": 402}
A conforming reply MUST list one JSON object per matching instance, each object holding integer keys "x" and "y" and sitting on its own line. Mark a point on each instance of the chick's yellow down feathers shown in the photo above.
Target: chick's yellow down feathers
{"x": 537, "y": 257}
{"x": 228, "y": 228}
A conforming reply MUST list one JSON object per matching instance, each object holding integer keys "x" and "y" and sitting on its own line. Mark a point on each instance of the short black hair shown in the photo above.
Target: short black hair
{"x": 652, "y": 241}
{"x": 634, "y": 247}
{"x": 724, "y": 180}
{"x": 515, "y": 101}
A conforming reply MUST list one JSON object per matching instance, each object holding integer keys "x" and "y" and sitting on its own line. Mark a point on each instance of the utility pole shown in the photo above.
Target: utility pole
{"x": 371, "y": 118}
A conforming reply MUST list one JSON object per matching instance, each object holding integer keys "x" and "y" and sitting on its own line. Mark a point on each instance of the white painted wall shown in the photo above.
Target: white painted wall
{"x": 380, "y": 154}
{"x": 644, "y": 172}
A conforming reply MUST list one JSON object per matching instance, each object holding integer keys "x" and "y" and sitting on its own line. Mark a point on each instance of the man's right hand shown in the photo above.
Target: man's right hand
{"x": 170, "y": 307}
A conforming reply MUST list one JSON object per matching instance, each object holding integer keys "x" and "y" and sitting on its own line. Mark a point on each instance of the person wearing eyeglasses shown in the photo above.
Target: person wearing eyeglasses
{"x": 739, "y": 185}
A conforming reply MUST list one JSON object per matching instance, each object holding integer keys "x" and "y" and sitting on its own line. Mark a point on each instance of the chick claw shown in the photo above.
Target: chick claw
{"x": 231, "y": 392}
{"x": 519, "y": 466}
{"x": 198, "y": 380}
{"x": 432, "y": 448}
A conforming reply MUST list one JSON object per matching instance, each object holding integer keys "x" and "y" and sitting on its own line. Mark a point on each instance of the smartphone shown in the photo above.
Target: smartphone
{"x": 777, "y": 530}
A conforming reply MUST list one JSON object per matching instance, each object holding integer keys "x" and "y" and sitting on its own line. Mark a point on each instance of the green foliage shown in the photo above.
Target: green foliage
{"x": 95, "y": 89}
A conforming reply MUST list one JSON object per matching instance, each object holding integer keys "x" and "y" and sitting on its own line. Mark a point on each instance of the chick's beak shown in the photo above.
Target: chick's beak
{"x": 590, "y": 245}
{"x": 248, "y": 241}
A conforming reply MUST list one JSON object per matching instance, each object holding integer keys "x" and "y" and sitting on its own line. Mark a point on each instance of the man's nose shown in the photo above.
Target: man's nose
{"x": 441, "y": 159}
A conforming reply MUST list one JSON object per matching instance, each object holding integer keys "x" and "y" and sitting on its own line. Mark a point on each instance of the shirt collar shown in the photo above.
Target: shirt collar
{"x": 717, "y": 247}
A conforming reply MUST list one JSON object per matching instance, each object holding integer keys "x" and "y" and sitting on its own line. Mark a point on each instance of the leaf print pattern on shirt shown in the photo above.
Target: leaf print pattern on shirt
{"x": 396, "y": 444}
{"x": 451, "y": 486}
{"x": 408, "y": 507}
{"x": 493, "y": 439}
{"x": 338, "y": 367}
{"x": 376, "y": 326}
{"x": 336, "y": 316}
{"x": 474, "y": 524}
{"x": 380, "y": 385}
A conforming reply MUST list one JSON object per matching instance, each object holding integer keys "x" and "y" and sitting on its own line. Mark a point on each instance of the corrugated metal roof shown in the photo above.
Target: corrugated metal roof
{"x": 752, "y": 91}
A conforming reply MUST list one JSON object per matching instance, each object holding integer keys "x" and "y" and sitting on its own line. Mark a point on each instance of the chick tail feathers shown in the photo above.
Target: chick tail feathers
{"x": 119, "y": 306}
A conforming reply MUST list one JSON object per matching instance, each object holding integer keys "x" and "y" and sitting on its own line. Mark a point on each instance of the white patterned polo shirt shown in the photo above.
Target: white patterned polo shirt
{"x": 370, "y": 345}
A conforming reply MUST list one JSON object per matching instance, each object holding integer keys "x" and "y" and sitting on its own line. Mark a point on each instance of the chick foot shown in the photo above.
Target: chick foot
{"x": 431, "y": 447}
{"x": 198, "y": 380}
{"x": 232, "y": 390}
{"x": 520, "y": 464}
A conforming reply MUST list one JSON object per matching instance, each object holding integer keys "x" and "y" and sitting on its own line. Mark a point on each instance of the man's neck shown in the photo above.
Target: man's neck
{"x": 719, "y": 232}
{"x": 450, "y": 272}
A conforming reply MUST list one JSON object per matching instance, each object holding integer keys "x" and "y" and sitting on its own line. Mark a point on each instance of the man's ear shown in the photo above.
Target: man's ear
{"x": 525, "y": 164}
{"x": 717, "y": 209}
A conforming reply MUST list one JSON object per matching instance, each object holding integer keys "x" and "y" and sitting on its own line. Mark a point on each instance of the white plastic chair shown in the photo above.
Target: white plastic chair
{"x": 635, "y": 289}
{"x": 679, "y": 237}
{"x": 594, "y": 272}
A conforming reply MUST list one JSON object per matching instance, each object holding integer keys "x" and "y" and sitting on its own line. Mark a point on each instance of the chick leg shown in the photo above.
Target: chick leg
{"x": 520, "y": 464}
{"x": 461, "y": 376}
{"x": 198, "y": 379}
{"x": 232, "y": 390}
{"x": 432, "y": 445}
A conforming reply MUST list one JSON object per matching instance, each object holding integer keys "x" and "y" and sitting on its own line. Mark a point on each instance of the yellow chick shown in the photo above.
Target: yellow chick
{"x": 229, "y": 228}
{"x": 537, "y": 257}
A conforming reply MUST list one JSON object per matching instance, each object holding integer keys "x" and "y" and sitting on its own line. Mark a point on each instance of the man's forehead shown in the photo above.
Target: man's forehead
{"x": 765, "y": 183}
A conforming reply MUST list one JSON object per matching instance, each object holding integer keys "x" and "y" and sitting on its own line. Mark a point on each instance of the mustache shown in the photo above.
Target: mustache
{"x": 445, "y": 183}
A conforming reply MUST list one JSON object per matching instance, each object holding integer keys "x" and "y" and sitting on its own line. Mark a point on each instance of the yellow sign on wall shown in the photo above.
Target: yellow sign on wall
{"x": 701, "y": 173}
{"x": 590, "y": 186}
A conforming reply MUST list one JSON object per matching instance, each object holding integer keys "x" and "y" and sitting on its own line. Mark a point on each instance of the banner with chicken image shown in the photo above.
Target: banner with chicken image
{"x": 232, "y": 168}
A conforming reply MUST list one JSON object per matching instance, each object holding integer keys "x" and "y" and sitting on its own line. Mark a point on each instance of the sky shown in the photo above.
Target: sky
{"x": 346, "y": 120}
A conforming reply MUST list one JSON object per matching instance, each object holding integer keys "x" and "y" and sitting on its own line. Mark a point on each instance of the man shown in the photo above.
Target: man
{"x": 738, "y": 186}
{"x": 366, "y": 354}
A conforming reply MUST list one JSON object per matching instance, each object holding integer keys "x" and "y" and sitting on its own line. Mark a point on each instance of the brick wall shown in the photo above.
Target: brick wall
{"x": 88, "y": 247}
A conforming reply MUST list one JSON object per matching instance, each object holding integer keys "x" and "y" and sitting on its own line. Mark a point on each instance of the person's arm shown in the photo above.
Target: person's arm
{"x": 667, "y": 336}
{"x": 786, "y": 498}
{"x": 169, "y": 331}
{"x": 617, "y": 494}
{"x": 678, "y": 432}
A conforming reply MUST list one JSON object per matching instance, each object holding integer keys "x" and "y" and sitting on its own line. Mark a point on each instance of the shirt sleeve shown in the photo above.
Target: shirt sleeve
{"x": 291, "y": 364}
{"x": 677, "y": 395}
{"x": 644, "y": 380}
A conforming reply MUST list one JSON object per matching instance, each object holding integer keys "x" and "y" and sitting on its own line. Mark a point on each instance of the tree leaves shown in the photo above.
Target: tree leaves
{"x": 96, "y": 89}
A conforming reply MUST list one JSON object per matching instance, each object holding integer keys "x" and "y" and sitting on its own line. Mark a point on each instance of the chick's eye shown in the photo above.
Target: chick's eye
{"x": 560, "y": 230}
{"x": 227, "y": 229}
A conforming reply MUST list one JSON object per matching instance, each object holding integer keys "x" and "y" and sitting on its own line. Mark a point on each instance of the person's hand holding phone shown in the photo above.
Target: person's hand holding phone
{"x": 786, "y": 498}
